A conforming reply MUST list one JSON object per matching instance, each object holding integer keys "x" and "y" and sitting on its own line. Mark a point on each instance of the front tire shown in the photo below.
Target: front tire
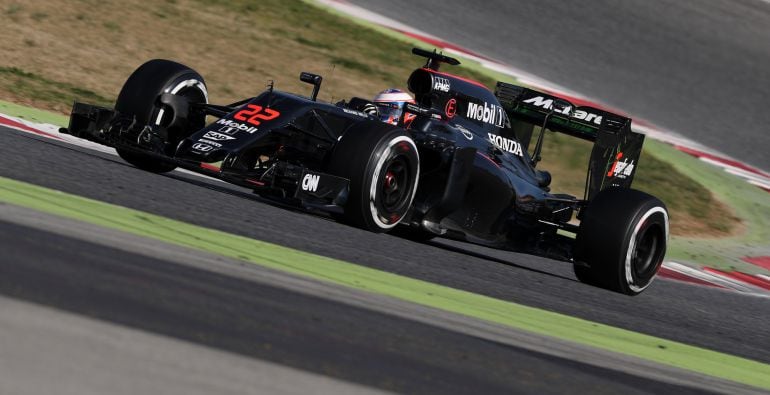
{"x": 138, "y": 98}
{"x": 383, "y": 166}
{"x": 622, "y": 240}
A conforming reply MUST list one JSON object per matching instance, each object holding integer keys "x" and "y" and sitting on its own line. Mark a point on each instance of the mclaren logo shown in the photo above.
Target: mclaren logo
{"x": 466, "y": 133}
{"x": 540, "y": 101}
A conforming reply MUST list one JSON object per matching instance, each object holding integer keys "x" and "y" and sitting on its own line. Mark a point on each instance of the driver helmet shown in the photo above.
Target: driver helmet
{"x": 390, "y": 104}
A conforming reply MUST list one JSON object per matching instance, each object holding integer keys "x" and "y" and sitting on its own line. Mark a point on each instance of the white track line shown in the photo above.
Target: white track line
{"x": 716, "y": 279}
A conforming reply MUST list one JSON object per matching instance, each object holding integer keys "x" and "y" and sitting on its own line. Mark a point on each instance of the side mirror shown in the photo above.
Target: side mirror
{"x": 313, "y": 79}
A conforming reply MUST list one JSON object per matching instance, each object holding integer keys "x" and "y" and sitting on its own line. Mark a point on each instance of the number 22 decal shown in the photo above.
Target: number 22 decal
{"x": 253, "y": 114}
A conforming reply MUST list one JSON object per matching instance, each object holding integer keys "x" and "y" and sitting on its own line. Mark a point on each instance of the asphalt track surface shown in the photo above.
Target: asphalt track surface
{"x": 699, "y": 68}
{"x": 350, "y": 344}
{"x": 272, "y": 324}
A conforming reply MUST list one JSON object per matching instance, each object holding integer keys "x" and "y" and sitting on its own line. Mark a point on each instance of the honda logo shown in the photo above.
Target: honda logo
{"x": 202, "y": 147}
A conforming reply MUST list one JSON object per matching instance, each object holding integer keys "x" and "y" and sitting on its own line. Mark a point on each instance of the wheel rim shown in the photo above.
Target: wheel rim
{"x": 195, "y": 93}
{"x": 393, "y": 182}
{"x": 192, "y": 93}
{"x": 647, "y": 252}
{"x": 394, "y": 191}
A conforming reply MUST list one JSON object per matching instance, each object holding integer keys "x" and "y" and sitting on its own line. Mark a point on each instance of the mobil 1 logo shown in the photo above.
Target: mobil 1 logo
{"x": 488, "y": 113}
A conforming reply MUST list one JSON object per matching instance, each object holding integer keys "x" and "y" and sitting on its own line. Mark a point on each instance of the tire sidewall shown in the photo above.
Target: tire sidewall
{"x": 650, "y": 215}
{"x": 609, "y": 234}
{"x": 153, "y": 78}
{"x": 360, "y": 156}
{"x": 393, "y": 145}
{"x": 138, "y": 98}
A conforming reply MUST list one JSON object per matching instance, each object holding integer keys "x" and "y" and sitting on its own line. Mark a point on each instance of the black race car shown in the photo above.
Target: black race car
{"x": 457, "y": 165}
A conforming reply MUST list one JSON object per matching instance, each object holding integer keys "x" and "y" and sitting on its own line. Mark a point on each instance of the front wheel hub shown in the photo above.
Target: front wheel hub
{"x": 391, "y": 183}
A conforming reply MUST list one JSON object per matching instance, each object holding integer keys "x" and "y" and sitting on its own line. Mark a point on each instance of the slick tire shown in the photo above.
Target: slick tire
{"x": 622, "y": 240}
{"x": 383, "y": 166}
{"x": 138, "y": 97}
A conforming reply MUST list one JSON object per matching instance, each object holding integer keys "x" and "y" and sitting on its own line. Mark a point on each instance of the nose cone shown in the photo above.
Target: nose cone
{"x": 199, "y": 151}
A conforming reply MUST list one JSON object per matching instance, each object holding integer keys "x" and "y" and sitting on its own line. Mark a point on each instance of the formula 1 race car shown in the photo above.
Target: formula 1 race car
{"x": 458, "y": 164}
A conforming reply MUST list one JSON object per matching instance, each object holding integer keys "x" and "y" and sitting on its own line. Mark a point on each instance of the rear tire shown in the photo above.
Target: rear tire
{"x": 383, "y": 166}
{"x": 138, "y": 97}
{"x": 622, "y": 240}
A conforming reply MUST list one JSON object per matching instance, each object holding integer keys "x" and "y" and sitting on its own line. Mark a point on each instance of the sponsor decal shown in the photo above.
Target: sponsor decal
{"x": 505, "y": 144}
{"x": 310, "y": 182}
{"x": 620, "y": 169}
{"x": 441, "y": 84}
{"x": 624, "y": 169}
{"x": 202, "y": 147}
{"x": 228, "y": 130}
{"x": 587, "y": 116}
{"x": 540, "y": 101}
{"x": 217, "y": 136}
{"x": 466, "y": 133}
{"x": 214, "y": 143}
{"x": 354, "y": 112}
{"x": 489, "y": 113}
{"x": 255, "y": 115}
{"x": 237, "y": 126}
{"x": 451, "y": 108}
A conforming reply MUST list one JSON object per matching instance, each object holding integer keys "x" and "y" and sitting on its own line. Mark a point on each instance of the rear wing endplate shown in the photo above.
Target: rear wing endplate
{"x": 616, "y": 150}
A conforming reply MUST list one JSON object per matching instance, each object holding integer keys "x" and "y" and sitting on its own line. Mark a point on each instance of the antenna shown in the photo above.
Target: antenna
{"x": 270, "y": 86}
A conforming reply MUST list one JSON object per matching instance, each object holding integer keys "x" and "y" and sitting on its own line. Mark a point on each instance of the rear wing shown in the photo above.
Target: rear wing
{"x": 616, "y": 150}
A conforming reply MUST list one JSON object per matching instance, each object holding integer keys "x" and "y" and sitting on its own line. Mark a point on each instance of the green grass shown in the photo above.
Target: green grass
{"x": 39, "y": 16}
{"x": 32, "y": 114}
{"x": 31, "y": 86}
{"x": 112, "y": 26}
{"x": 748, "y": 202}
{"x": 12, "y": 11}
{"x": 691, "y": 201}
{"x": 416, "y": 291}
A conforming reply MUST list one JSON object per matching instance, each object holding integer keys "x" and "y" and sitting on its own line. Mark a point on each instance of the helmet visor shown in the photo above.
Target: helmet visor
{"x": 390, "y": 112}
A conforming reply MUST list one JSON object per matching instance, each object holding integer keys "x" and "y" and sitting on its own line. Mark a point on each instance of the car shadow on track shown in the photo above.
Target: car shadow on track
{"x": 479, "y": 255}
{"x": 237, "y": 191}
{"x": 234, "y": 191}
